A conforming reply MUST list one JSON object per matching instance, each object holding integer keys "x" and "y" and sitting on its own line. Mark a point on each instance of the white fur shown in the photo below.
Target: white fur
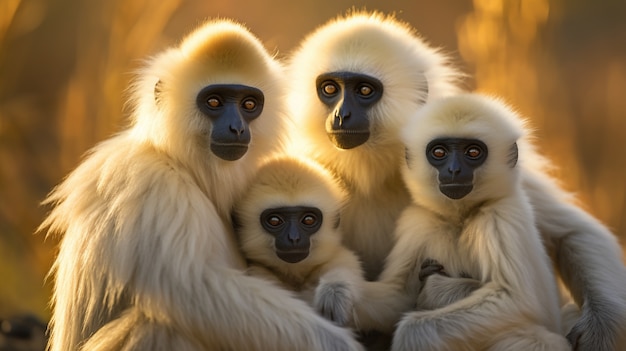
{"x": 391, "y": 51}
{"x": 331, "y": 273}
{"x": 488, "y": 234}
{"x": 148, "y": 260}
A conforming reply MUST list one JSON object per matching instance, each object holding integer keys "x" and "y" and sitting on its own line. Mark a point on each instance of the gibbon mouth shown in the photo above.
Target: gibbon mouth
{"x": 348, "y": 139}
{"x": 456, "y": 191}
{"x": 229, "y": 152}
{"x": 292, "y": 256}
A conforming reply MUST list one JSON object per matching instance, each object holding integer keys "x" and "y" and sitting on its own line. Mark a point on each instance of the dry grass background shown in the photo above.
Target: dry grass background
{"x": 64, "y": 65}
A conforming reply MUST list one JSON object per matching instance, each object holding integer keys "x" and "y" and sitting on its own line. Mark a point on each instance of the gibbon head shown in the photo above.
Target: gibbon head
{"x": 204, "y": 98}
{"x": 290, "y": 213}
{"x": 462, "y": 148}
{"x": 355, "y": 79}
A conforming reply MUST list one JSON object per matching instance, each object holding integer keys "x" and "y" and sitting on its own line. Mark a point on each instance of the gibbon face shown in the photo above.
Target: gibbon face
{"x": 465, "y": 146}
{"x": 230, "y": 108}
{"x": 368, "y": 70}
{"x": 456, "y": 159}
{"x": 292, "y": 227}
{"x": 208, "y": 92}
{"x": 349, "y": 96}
{"x": 291, "y": 209}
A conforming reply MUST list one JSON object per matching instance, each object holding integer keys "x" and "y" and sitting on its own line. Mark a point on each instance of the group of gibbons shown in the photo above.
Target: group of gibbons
{"x": 348, "y": 194}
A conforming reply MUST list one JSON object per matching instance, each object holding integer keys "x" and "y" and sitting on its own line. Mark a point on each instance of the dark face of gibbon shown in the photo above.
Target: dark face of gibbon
{"x": 292, "y": 228}
{"x": 230, "y": 108}
{"x": 348, "y": 96}
{"x": 456, "y": 159}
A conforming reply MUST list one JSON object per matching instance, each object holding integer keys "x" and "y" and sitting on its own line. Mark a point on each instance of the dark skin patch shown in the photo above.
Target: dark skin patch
{"x": 231, "y": 108}
{"x": 429, "y": 267}
{"x": 348, "y": 96}
{"x": 455, "y": 160}
{"x": 292, "y": 228}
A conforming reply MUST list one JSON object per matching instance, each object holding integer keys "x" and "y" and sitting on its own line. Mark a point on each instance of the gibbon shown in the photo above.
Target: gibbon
{"x": 470, "y": 217}
{"x": 364, "y": 57}
{"x": 287, "y": 225}
{"x": 369, "y": 71}
{"x": 148, "y": 259}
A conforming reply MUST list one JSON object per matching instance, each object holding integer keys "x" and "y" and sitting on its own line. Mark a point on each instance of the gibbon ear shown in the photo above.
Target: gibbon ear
{"x": 235, "y": 221}
{"x": 513, "y": 155}
{"x": 423, "y": 90}
{"x": 337, "y": 221}
{"x": 158, "y": 90}
{"x": 407, "y": 157}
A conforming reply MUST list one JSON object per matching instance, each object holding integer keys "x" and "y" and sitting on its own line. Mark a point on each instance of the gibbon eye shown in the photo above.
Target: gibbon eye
{"x": 309, "y": 220}
{"x": 439, "y": 152}
{"x": 274, "y": 221}
{"x": 213, "y": 102}
{"x": 329, "y": 88}
{"x": 366, "y": 90}
{"x": 249, "y": 104}
{"x": 473, "y": 152}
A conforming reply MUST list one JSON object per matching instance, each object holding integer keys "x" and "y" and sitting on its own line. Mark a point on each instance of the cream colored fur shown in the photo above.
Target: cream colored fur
{"x": 148, "y": 259}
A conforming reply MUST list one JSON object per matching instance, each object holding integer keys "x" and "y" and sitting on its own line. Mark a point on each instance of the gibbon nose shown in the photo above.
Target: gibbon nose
{"x": 293, "y": 235}
{"x": 454, "y": 167}
{"x": 237, "y": 127}
{"x": 340, "y": 117}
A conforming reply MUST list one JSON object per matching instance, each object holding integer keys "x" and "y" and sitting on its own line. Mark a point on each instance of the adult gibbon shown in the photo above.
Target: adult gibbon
{"x": 369, "y": 72}
{"x": 470, "y": 217}
{"x": 148, "y": 258}
{"x": 287, "y": 224}
{"x": 354, "y": 83}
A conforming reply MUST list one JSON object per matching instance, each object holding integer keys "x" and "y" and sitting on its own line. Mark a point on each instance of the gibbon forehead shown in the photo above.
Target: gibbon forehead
{"x": 287, "y": 181}
{"x": 219, "y": 52}
{"x": 225, "y": 44}
{"x": 469, "y": 116}
{"x": 355, "y": 39}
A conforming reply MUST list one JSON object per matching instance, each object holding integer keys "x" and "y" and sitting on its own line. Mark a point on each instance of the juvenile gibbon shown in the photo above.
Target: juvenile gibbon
{"x": 287, "y": 225}
{"x": 148, "y": 259}
{"x": 470, "y": 217}
{"x": 370, "y": 73}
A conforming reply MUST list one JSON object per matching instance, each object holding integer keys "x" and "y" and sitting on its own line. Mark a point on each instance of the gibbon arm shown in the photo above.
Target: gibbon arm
{"x": 215, "y": 302}
{"x": 589, "y": 260}
{"x": 168, "y": 253}
{"x": 440, "y": 290}
{"x": 384, "y": 301}
{"x": 340, "y": 288}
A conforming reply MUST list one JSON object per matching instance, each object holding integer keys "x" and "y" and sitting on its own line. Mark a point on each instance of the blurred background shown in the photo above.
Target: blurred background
{"x": 64, "y": 65}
